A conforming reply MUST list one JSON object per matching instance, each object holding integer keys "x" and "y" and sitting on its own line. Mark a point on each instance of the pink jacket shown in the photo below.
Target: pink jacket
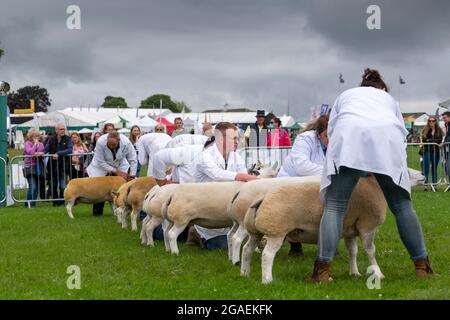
{"x": 31, "y": 149}
{"x": 278, "y": 138}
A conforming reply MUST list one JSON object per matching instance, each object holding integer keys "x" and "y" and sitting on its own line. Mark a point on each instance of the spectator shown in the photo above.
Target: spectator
{"x": 135, "y": 134}
{"x": 431, "y": 133}
{"x": 33, "y": 166}
{"x": 108, "y": 127}
{"x": 160, "y": 128}
{"x": 95, "y": 137}
{"x": 59, "y": 147}
{"x": 256, "y": 133}
{"x": 446, "y": 118}
{"x": 180, "y": 129}
{"x": 114, "y": 155}
{"x": 78, "y": 162}
{"x": 207, "y": 129}
{"x": 278, "y": 137}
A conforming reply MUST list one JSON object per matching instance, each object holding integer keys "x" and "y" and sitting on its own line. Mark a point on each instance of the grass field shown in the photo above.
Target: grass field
{"x": 39, "y": 244}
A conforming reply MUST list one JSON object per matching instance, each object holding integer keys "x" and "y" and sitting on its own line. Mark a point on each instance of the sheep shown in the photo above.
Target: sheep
{"x": 295, "y": 211}
{"x": 91, "y": 190}
{"x": 152, "y": 205}
{"x": 242, "y": 200}
{"x": 189, "y": 206}
{"x": 130, "y": 198}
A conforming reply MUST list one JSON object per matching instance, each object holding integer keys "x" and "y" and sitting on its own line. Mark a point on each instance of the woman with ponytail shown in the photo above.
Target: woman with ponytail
{"x": 367, "y": 135}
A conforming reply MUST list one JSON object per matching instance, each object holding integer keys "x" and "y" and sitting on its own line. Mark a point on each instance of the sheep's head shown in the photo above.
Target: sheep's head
{"x": 415, "y": 177}
{"x": 258, "y": 169}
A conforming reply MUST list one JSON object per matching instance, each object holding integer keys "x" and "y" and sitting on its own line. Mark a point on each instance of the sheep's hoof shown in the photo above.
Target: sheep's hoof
{"x": 245, "y": 273}
{"x": 237, "y": 263}
{"x": 355, "y": 274}
{"x": 266, "y": 281}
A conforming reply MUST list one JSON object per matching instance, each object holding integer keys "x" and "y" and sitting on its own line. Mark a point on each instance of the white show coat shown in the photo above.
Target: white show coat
{"x": 210, "y": 166}
{"x": 149, "y": 144}
{"x": 366, "y": 132}
{"x": 182, "y": 160}
{"x": 306, "y": 157}
{"x": 104, "y": 163}
{"x": 187, "y": 139}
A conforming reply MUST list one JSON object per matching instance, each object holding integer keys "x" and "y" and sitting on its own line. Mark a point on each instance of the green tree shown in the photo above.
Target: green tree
{"x": 114, "y": 102}
{"x": 153, "y": 102}
{"x": 21, "y": 99}
{"x": 182, "y": 105}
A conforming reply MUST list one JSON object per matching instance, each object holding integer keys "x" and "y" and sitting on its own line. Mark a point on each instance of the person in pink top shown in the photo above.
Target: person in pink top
{"x": 278, "y": 137}
{"x": 33, "y": 169}
{"x": 78, "y": 147}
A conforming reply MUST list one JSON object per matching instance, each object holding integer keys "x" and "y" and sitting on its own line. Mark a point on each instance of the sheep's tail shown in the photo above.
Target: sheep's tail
{"x": 230, "y": 205}
{"x": 250, "y": 216}
{"x": 125, "y": 198}
{"x": 165, "y": 208}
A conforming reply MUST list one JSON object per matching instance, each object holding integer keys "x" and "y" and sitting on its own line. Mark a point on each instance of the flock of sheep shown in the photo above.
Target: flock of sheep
{"x": 274, "y": 208}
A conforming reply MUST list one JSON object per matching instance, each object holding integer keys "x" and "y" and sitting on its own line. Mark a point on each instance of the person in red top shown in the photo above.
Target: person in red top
{"x": 278, "y": 137}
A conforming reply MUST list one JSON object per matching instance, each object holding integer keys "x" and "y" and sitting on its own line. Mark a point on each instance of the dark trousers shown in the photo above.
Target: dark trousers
{"x": 57, "y": 185}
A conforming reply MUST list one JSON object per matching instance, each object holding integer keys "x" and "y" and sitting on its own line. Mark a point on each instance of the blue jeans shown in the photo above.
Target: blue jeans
{"x": 433, "y": 160}
{"x": 219, "y": 242}
{"x": 337, "y": 198}
{"x": 32, "y": 191}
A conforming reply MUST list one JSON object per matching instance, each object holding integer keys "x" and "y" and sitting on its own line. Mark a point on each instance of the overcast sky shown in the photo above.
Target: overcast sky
{"x": 255, "y": 53}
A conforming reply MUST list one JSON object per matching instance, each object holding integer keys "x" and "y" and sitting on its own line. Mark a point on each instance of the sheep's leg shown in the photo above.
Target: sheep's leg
{"x": 237, "y": 240}
{"x": 352, "y": 248}
{"x": 173, "y": 234}
{"x": 119, "y": 214}
{"x": 149, "y": 227}
{"x": 247, "y": 253}
{"x": 124, "y": 216}
{"x": 69, "y": 207}
{"x": 143, "y": 235}
{"x": 268, "y": 255}
{"x": 369, "y": 246}
{"x": 134, "y": 215}
{"x": 166, "y": 230}
{"x": 230, "y": 234}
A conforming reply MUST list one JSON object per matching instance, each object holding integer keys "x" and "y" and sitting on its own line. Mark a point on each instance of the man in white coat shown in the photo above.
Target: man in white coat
{"x": 220, "y": 162}
{"x": 306, "y": 159}
{"x": 149, "y": 144}
{"x": 114, "y": 155}
{"x": 367, "y": 134}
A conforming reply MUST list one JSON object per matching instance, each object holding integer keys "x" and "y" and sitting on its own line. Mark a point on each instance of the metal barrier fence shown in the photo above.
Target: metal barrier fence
{"x": 436, "y": 156}
{"x": 44, "y": 178}
{"x": 267, "y": 155}
{"x": 432, "y": 160}
{"x": 3, "y": 168}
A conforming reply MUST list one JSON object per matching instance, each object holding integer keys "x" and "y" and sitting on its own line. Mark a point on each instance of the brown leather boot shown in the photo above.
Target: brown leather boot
{"x": 423, "y": 268}
{"x": 321, "y": 272}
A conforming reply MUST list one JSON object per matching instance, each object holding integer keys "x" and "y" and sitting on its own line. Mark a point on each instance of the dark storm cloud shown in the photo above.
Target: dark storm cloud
{"x": 208, "y": 53}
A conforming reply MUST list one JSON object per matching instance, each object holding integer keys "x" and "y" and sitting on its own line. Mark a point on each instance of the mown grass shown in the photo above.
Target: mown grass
{"x": 37, "y": 246}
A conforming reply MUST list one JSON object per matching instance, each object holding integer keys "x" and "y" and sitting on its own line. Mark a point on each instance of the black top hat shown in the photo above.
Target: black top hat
{"x": 260, "y": 113}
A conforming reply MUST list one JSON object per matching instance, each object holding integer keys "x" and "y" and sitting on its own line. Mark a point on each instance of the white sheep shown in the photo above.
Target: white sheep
{"x": 295, "y": 211}
{"x": 242, "y": 200}
{"x": 152, "y": 204}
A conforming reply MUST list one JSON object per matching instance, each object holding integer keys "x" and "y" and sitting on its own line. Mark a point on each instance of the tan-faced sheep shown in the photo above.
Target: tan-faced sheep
{"x": 91, "y": 190}
{"x": 130, "y": 197}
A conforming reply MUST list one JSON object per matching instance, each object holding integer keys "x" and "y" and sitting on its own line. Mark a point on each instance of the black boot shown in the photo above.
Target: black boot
{"x": 296, "y": 249}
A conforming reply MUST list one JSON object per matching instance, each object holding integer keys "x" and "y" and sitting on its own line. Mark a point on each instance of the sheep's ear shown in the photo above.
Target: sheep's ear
{"x": 114, "y": 193}
{"x": 261, "y": 164}
{"x": 251, "y": 169}
{"x": 275, "y": 166}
